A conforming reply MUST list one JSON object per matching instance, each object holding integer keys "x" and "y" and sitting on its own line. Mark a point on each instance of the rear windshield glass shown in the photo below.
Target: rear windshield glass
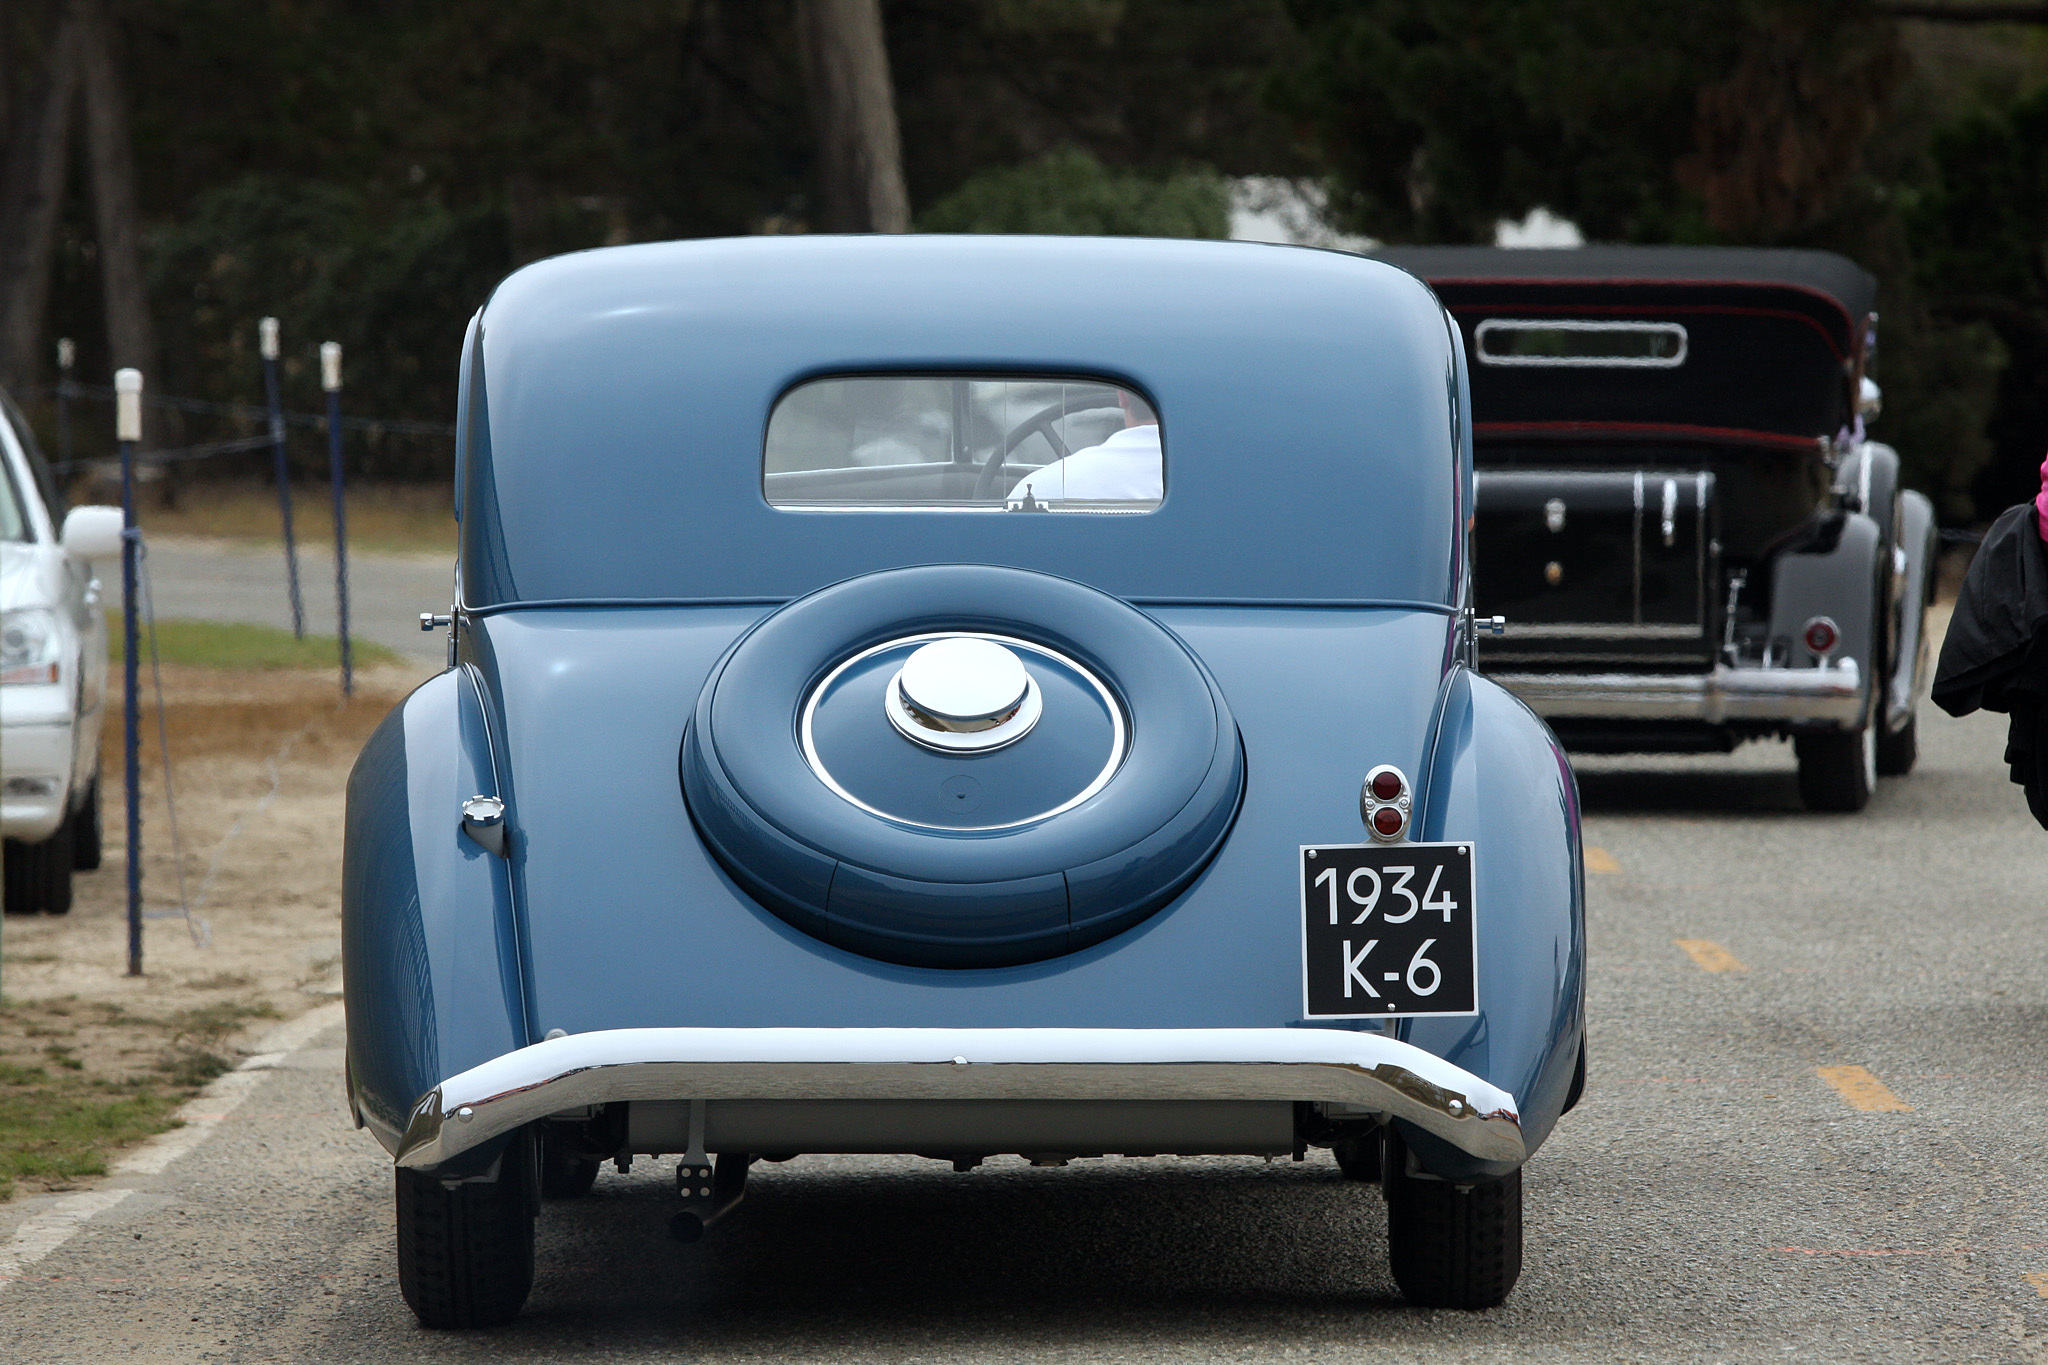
{"x": 886, "y": 442}
{"x": 1596, "y": 345}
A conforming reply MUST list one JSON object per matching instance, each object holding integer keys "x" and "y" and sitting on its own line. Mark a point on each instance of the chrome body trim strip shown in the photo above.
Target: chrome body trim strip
{"x": 1602, "y": 630}
{"x": 1825, "y": 694}
{"x": 1338, "y": 1066}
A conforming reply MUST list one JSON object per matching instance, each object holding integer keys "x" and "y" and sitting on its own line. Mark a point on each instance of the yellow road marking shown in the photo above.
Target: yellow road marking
{"x": 2039, "y": 1280}
{"x": 1863, "y": 1090}
{"x": 1710, "y": 955}
{"x": 1600, "y": 860}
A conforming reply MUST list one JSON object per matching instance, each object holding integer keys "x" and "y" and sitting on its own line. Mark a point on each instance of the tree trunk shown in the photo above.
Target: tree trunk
{"x": 31, "y": 194}
{"x": 860, "y": 155}
{"x": 110, "y": 158}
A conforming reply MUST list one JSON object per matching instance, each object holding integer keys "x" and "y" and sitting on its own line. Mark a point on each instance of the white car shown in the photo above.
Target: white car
{"x": 53, "y": 671}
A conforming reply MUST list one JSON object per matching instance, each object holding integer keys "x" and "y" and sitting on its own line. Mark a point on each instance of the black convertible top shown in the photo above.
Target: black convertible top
{"x": 1852, "y": 287}
{"x": 1773, "y": 341}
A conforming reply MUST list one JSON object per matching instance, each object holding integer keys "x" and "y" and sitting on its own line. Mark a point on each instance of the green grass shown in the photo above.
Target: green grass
{"x": 58, "y": 1125}
{"x": 234, "y": 645}
{"x": 57, "y": 1128}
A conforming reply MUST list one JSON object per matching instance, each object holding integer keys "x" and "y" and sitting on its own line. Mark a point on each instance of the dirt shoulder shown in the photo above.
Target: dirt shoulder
{"x": 91, "y": 1058}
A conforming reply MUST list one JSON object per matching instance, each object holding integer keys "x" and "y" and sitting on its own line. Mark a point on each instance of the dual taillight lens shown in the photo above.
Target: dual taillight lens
{"x": 1384, "y": 803}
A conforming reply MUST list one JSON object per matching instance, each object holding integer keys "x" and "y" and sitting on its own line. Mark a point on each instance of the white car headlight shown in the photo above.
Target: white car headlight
{"x": 29, "y": 646}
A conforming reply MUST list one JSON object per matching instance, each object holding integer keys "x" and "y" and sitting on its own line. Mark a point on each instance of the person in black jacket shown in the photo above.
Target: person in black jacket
{"x": 1996, "y": 652}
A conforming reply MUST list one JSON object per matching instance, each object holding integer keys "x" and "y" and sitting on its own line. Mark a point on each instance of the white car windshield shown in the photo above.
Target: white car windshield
{"x": 13, "y": 522}
{"x": 880, "y": 442}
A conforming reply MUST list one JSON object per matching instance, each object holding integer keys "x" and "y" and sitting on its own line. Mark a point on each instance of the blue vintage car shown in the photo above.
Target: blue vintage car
{"x": 962, "y": 697}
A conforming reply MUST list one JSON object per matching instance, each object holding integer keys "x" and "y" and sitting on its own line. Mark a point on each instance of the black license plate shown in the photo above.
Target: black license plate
{"x": 1387, "y": 931}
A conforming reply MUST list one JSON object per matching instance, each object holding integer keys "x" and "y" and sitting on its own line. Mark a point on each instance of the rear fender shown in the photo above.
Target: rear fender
{"x": 1836, "y": 576}
{"x": 1913, "y": 591}
{"x": 1499, "y": 779}
{"x": 430, "y": 947}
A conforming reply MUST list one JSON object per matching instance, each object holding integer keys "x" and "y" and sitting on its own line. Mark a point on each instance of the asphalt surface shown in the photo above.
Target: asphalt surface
{"x": 216, "y": 581}
{"x": 1717, "y": 1197}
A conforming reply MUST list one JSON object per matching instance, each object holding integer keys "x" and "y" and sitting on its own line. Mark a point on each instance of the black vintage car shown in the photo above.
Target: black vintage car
{"x": 1678, "y": 514}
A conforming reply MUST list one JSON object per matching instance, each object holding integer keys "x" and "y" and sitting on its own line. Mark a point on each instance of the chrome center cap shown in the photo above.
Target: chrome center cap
{"x": 963, "y": 693}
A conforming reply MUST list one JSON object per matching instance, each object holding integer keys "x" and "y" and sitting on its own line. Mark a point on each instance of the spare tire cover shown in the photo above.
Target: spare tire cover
{"x": 830, "y": 816}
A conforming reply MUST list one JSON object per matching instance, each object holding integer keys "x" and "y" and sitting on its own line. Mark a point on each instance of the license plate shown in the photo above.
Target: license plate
{"x": 1387, "y": 931}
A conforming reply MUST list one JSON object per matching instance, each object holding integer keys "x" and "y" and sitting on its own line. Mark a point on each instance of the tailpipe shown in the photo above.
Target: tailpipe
{"x": 709, "y": 1193}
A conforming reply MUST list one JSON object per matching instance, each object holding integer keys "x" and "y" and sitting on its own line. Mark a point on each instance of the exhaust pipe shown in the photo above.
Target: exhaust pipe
{"x": 709, "y": 1193}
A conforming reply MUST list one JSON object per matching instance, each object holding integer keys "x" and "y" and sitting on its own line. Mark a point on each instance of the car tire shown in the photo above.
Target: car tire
{"x": 465, "y": 1251}
{"x": 1837, "y": 768}
{"x": 564, "y": 1172}
{"x": 1360, "y": 1156}
{"x": 38, "y": 875}
{"x": 1899, "y": 750}
{"x": 87, "y": 831}
{"x": 1452, "y": 1245}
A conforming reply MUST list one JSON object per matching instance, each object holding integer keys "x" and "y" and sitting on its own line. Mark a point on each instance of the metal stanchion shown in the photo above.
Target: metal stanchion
{"x": 266, "y": 334}
{"x": 330, "y": 380}
{"x": 128, "y": 430}
{"x": 67, "y": 356}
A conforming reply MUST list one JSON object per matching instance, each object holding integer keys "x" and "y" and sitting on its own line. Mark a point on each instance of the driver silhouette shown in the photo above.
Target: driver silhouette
{"x": 1127, "y": 467}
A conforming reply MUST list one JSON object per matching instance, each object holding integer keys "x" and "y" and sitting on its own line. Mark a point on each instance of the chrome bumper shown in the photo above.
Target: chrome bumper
{"x": 1367, "y": 1070}
{"x": 1823, "y": 694}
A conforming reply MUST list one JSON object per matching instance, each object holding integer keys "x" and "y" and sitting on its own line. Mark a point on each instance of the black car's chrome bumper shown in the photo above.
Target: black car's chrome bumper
{"x": 1365, "y": 1072}
{"x": 1725, "y": 694}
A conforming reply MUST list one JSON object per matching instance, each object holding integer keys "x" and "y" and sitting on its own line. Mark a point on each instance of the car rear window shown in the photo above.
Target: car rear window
{"x": 967, "y": 443}
{"x": 1576, "y": 344}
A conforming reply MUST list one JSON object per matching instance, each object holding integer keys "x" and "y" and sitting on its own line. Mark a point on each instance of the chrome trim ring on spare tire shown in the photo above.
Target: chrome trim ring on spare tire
{"x": 1007, "y": 725}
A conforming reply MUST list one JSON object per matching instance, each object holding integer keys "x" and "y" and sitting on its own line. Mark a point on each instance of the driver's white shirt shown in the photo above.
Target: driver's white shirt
{"x": 1125, "y": 468}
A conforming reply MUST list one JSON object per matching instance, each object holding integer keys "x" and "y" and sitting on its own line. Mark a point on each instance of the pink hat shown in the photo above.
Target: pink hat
{"x": 2041, "y": 502}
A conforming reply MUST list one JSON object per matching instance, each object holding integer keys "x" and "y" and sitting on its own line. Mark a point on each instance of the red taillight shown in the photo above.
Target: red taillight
{"x": 1822, "y": 635}
{"x": 1383, "y": 802}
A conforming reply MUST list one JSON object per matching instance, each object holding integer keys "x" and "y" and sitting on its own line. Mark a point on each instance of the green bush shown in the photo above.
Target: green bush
{"x": 1070, "y": 192}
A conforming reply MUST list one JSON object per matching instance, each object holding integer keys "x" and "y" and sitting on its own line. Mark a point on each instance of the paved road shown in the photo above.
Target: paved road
{"x": 1714, "y": 1198}
{"x": 213, "y": 580}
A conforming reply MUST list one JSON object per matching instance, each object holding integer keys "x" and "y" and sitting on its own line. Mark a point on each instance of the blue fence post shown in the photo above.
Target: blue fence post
{"x": 67, "y": 356}
{"x": 330, "y": 380}
{"x": 266, "y": 333}
{"x": 128, "y": 430}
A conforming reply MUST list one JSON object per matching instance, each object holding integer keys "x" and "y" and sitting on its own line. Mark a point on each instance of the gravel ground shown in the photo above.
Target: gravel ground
{"x": 1715, "y": 1197}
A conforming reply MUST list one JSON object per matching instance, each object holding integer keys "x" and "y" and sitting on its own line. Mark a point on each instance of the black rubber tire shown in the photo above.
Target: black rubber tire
{"x": 465, "y": 1254}
{"x": 1898, "y": 752}
{"x": 564, "y": 1172}
{"x": 1359, "y": 1156}
{"x": 1452, "y": 1246}
{"x": 88, "y": 841}
{"x": 38, "y": 876}
{"x": 1837, "y": 769}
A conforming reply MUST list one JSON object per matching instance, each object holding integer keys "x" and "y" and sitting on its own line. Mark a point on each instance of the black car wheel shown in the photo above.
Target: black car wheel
{"x": 38, "y": 876}
{"x": 565, "y": 1173}
{"x": 1837, "y": 768}
{"x": 1451, "y": 1246}
{"x": 87, "y": 831}
{"x": 1359, "y": 1156}
{"x": 1898, "y": 750}
{"x": 465, "y": 1250}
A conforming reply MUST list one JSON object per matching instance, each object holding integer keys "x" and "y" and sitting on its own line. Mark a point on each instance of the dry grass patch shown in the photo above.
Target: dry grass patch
{"x": 400, "y": 517}
{"x": 80, "y": 1078}
{"x": 92, "y": 1059}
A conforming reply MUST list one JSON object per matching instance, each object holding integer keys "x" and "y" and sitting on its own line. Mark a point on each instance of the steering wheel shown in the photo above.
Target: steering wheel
{"x": 1043, "y": 421}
